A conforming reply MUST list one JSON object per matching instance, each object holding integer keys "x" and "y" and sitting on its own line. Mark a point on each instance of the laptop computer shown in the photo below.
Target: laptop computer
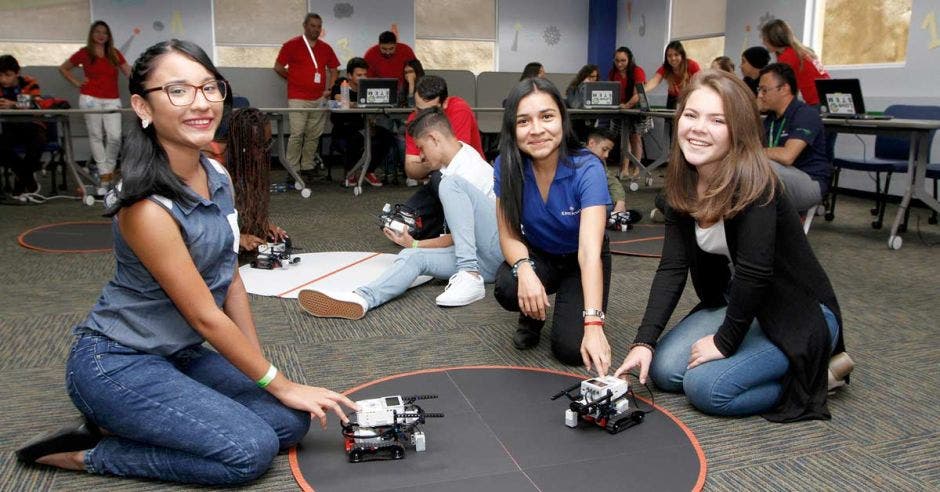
{"x": 602, "y": 95}
{"x": 378, "y": 93}
{"x": 643, "y": 104}
{"x": 842, "y": 98}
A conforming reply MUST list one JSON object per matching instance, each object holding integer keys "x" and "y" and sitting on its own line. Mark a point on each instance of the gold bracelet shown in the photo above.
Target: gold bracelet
{"x": 641, "y": 344}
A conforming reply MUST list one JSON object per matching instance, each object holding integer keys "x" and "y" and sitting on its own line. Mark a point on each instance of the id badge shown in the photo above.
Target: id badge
{"x": 316, "y": 78}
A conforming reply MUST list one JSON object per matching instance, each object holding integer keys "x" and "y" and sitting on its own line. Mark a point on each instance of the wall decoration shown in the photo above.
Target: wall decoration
{"x": 137, "y": 25}
{"x": 515, "y": 38}
{"x": 551, "y": 35}
{"x": 343, "y": 10}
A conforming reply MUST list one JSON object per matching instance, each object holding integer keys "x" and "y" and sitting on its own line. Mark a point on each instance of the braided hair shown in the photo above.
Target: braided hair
{"x": 249, "y": 165}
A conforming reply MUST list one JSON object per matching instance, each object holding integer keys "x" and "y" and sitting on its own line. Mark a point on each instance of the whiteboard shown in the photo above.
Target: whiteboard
{"x": 138, "y": 24}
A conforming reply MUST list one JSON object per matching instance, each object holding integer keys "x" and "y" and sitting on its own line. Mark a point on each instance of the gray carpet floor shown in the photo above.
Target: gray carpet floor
{"x": 883, "y": 434}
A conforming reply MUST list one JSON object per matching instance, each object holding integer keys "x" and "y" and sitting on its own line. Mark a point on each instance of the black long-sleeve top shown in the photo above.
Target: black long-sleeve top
{"x": 777, "y": 280}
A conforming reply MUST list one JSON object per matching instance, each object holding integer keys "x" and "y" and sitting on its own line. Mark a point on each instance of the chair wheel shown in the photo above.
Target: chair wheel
{"x": 876, "y": 225}
{"x": 830, "y": 216}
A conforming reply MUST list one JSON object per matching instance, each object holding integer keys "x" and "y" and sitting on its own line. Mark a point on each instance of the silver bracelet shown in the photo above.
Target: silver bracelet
{"x": 515, "y": 266}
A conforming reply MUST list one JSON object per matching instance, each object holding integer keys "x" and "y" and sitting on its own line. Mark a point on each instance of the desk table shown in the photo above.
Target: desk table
{"x": 920, "y": 132}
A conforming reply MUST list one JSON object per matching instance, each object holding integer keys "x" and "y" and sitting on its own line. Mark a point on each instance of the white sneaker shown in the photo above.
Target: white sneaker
{"x": 411, "y": 182}
{"x": 462, "y": 289}
{"x": 348, "y": 305}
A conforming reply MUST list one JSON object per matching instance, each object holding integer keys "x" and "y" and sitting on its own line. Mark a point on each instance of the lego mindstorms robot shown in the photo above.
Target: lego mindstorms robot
{"x": 603, "y": 401}
{"x": 384, "y": 426}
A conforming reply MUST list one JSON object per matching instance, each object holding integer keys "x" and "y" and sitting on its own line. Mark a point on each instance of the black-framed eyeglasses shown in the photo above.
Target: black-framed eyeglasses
{"x": 765, "y": 90}
{"x": 181, "y": 94}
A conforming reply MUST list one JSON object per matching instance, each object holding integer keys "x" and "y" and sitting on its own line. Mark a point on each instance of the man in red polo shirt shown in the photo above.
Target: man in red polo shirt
{"x": 387, "y": 59}
{"x": 309, "y": 66}
{"x": 432, "y": 91}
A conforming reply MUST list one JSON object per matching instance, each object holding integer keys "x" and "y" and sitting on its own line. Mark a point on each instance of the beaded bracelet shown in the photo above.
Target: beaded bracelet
{"x": 641, "y": 344}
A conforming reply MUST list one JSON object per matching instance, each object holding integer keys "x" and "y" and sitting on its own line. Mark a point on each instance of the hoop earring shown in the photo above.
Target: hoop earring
{"x": 144, "y": 123}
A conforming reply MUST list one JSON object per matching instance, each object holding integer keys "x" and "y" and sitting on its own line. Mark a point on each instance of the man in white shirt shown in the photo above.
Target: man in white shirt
{"x": 469, "y": 256}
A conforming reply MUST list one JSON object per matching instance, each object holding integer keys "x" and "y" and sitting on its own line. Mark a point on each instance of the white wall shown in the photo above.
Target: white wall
{"x": 553, "y": 32}
{"x": 643, "y": 26}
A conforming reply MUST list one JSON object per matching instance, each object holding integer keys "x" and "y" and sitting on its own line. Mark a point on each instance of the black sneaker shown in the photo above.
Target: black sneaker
{"x": 528, "y": 333}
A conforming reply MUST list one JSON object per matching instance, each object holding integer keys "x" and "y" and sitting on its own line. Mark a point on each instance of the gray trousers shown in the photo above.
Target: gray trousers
{"x": 802, "y": 191}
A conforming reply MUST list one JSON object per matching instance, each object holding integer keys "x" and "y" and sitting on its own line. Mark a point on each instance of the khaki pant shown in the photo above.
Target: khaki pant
{"x": 305, "y": 130}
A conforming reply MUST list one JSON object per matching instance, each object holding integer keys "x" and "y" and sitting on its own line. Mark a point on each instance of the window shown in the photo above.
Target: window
{"x": 700, "y": 25}
{"x": 44, "y": 33}
{"x": 861, "y": 32}
{"x": 456, "y": 34}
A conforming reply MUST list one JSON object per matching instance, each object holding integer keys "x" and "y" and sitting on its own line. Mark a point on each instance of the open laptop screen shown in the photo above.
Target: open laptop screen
{"x": 602, "y": 95}
{"x": 378, "y": 93}
{"x": 840, "y": 97}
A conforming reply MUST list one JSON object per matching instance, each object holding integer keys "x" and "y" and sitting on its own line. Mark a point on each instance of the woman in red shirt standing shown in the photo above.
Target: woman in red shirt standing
{"x": 100, "y": 61}
{"x": 779, "y": 39}
{"x": 677, "y": 69}
{"x": 628, "y": 73}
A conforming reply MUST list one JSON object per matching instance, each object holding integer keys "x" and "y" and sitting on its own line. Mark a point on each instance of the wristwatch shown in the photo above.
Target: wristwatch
{"x": 593, "y": 312}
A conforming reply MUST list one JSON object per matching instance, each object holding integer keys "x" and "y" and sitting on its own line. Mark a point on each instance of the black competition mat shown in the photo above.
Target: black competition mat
{"x": 644, "y": 240}
{"x": 69, "y": 237}
{"x": 500, "y": 431}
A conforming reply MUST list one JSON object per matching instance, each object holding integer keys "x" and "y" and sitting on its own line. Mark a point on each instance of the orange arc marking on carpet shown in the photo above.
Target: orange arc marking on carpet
{"x": 640, "y": 240}
{"x": 703, "y": 465}
{"x": 26, "y": 245}
{"x": 321, "y": 277}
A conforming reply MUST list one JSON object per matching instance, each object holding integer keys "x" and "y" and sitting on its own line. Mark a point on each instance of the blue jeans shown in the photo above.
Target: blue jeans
{"x": 471, "y": 216}
{"x": 746, "y": 383}
{"x": 191, "y": 417}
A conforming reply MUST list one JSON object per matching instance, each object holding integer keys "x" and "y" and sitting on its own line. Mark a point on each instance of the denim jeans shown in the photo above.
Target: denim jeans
{"x": 471, "y": 216}
{"x": 191, "y": 417}
{"x": 746, "y": 383}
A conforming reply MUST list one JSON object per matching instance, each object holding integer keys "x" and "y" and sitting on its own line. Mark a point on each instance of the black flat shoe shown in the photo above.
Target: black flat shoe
{"x": 528, "y": 333}
{"x": 80, "y": 434}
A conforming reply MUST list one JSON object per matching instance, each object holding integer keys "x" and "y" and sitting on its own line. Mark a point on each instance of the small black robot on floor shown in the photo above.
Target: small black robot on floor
{"x": 386, "y": 425}
{"x": 623, "y": 221}
{"x": 603, "y": 401}
{"x": 275, "y": 255}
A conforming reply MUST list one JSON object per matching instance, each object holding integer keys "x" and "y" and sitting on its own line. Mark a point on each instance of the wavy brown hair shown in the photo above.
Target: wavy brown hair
{"x": 679, "y": 76}
{"x": 744, "y": 175}
{"x": 778, "y": 33}
{"x": 110, "y": 52}
{"x": 249, "y": 164}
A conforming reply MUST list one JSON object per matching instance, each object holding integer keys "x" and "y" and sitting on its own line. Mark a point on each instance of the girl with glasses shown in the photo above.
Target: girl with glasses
{"x": 156, "y": 402}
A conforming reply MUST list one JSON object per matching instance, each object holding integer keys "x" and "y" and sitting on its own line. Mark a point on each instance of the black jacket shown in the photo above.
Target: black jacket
{"x": 777, "y": 279}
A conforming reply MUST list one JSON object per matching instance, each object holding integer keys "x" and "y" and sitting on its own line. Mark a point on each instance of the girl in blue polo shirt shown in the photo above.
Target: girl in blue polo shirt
{"x": 551, "y": 206}
{"x": 156, "y": 402}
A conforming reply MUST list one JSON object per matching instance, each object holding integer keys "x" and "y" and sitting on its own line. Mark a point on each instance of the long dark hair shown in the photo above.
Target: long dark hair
{"x": 145, "y": 168}
{"x": 249, "y": 164}
{"x": 631, "y": 73}
{"x": 677, "y": 77}
{"x": 584, "y": 73}
{"x": 512, "y": 160}
{"x": 110, "y": 53}
{"x": 531, "y": 69}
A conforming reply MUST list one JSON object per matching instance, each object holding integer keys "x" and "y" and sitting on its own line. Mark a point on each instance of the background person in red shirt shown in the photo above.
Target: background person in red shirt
{"x": 100, "y": 62}
{"x": 677, "y": 69}
{"x": 309, "y": 66}
{"x": 628, "y": 73}
{"x": 779, "y": 39}
{"x": 387, "y": 59}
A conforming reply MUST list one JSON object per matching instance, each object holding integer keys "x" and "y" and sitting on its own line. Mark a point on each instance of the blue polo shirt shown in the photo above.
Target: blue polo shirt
{"x": 553, "y": 225}
{"x": 802, "y": 121}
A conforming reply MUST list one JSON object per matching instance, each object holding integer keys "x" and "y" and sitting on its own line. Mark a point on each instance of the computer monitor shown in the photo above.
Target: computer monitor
{"x": 602, "y": 95}
{"x": 378, "y": 93}
{"x": 840, "y": 97}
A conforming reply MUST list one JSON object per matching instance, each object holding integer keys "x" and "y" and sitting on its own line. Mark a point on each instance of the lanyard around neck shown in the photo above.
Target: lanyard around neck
{"x": 309, "y": 50}
{"x": 775, "y": 139}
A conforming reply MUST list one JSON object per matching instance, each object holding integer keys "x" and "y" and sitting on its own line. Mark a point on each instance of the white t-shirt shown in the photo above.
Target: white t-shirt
{"x": 470, "y": 166}
{"x": 712, "y": 239}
